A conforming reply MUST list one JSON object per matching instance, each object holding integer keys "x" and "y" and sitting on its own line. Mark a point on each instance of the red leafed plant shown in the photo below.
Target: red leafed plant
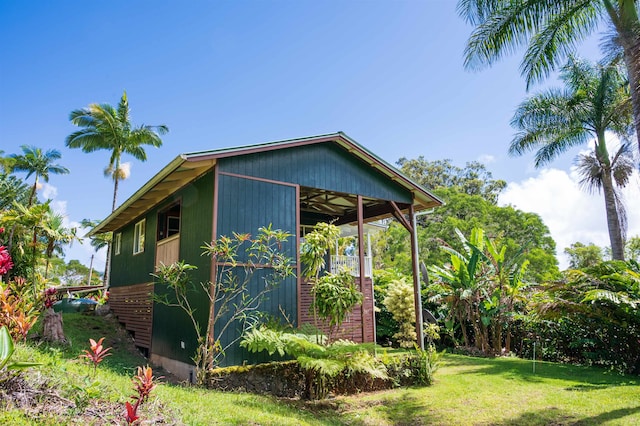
{"x": 16, "y": 311}
{"x": 49, "y": 297}
{"x": 5, "y": 260}
{"x": 131, "y": 416}
{"x": 143, "y": 384}
{"x": 97, "y": 353}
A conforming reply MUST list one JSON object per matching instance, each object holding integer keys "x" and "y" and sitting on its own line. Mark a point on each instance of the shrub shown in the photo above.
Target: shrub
{"x": 399, "y": 302}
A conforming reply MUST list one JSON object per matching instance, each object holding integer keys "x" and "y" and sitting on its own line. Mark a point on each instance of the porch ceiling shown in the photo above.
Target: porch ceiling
{"x": 341, "y": 208}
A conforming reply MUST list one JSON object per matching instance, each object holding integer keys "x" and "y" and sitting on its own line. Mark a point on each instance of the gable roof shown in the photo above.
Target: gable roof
{"x": 187, "y": 167}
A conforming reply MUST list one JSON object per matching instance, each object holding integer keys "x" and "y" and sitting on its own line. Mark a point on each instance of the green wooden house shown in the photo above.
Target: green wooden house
{"x": 199, "y": 196}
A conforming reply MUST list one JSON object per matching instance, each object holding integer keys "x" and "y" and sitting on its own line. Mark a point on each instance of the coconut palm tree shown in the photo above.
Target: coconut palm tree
{"x": 38, "y": 163}
{"x": 551, "y": 30}
{"x": 595, "y": 100}
{"x": 104, "y": 127}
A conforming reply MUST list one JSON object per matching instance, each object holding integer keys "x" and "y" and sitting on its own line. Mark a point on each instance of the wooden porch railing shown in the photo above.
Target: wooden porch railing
{"x": 351, "y": 264}
{"x": 168, "y": 250}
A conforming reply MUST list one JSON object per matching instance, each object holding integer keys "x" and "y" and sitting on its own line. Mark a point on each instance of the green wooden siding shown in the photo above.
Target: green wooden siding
{"x": 171, "y": 325}
{"x": 323, "y": 166}
{"x": 128, "y": 268}
{"x": 244, "y": 206}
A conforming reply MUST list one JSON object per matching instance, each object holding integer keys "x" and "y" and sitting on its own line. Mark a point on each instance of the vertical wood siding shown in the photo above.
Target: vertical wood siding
{"x": 244, "y": 206}
{"x": 324, "y": 166}
{"x": 171, "y": 327}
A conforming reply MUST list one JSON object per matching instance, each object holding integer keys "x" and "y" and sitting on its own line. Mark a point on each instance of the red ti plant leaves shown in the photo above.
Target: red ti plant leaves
{"x": 143, "y": 384}
{"x": 132, "y": 415}
{"x": 97, "y": 353}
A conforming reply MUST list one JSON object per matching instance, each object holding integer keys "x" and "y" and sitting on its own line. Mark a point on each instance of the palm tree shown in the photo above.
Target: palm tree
{"x": 550, "y": 30}
{"x": 99, "y": 241}
{"x": 12, "y": 189}
{"x": 104, "y": 127}
{"x": 619, "y": 170}
{"x": 595, "y": 100}
{"x": 56, "y": 235}
{"x": 34, "y": 161}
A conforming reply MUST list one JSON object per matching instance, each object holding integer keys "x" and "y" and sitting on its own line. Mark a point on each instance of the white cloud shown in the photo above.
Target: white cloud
{"x": 486, "y": 159}
{"x": 125, "y": 168}
{"x": 79, "y": 250}
{"x": 571, "y": 214}
{"x": 49, "y": 192}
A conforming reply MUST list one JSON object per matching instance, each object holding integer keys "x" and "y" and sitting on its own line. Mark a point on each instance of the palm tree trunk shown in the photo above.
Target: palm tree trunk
{"x": 33, "y": 192}
{"x": 631, "y": 45}
{"x": 107, "y": 266}
{"x": 613, "y": 220}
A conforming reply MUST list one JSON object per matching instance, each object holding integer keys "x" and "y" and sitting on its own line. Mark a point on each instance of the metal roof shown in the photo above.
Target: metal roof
{"x": 187, "y": 167}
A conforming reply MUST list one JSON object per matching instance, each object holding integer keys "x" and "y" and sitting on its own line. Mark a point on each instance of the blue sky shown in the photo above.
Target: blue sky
{"x": 226, "y": 73}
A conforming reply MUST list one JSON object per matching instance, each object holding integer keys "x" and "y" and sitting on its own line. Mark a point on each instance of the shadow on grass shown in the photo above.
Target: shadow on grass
{"x": 589, "y": 378}
{"x": 550, "y": 416}
{"x": 554, "y": 416}
{"x": 406, "y": 411}
{"x": 607, "y": 416}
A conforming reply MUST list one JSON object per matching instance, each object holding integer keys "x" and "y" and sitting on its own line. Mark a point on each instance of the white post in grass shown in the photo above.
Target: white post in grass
{"x": 534, "y": 357}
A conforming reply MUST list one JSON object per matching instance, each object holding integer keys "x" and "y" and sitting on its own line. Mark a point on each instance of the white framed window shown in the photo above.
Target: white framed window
{"x": 138, "y": 237}
{"x": 117, "y": 243}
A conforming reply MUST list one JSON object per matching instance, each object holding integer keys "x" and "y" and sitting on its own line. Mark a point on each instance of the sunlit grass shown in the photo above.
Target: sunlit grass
{"x": 467, "y": 391}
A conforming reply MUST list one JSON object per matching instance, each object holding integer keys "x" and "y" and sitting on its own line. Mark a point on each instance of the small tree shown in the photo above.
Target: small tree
{"x": 231, "y": 303}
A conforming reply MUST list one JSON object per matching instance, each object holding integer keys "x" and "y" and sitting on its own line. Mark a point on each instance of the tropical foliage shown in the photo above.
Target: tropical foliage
{"x": 594, "y": 101}
{"x": 550, "y": 31}
{"x": 319, "y": 362}
{"x": 479, "y": 290}
{"x": 334, "y": 293}
{"x": 399, "y": 302}
{"x": 591, "y": 316}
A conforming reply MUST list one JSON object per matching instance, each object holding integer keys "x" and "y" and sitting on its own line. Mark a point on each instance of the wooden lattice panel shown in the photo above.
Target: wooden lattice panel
{"x": 133, "y": 306}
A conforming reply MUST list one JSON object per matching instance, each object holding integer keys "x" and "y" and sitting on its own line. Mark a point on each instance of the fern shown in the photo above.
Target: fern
{"x": 319, "y": 362}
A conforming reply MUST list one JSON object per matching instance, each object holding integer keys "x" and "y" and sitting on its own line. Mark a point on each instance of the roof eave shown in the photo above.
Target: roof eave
{"x": 162, "y": 174}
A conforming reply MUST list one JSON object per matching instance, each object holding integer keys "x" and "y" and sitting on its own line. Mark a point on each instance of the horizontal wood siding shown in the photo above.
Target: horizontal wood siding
{"x": 172, "y": 328}
{"x": 324, "y": 166}
{"x": 133, "y": 306}
{"x": 352, "y": 328}
{"x": 244, "y": 206}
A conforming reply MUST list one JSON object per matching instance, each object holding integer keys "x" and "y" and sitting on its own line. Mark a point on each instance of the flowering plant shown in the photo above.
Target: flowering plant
{"x": 5, "y": 260}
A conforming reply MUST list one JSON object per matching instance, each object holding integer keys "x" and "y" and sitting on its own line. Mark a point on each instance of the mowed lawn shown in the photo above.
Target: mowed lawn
{"x": 504, "y": 391}
{"x": 467, "y": 391}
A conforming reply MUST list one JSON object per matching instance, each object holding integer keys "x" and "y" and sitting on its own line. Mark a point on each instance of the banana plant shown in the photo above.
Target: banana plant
{"x": 460, "y": 282}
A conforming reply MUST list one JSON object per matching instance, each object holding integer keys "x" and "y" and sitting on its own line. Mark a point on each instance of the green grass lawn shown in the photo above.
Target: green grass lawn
{"x": 468, "y": 391}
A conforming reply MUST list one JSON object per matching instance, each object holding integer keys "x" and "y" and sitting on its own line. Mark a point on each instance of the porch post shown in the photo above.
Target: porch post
{"x": 361, "y": 260}
{"x": 416, "y": 276}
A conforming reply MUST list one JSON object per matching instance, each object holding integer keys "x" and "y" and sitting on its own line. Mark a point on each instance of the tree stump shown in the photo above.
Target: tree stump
{"x": 52, "y": 326}
{"x": 102, "y": 310}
